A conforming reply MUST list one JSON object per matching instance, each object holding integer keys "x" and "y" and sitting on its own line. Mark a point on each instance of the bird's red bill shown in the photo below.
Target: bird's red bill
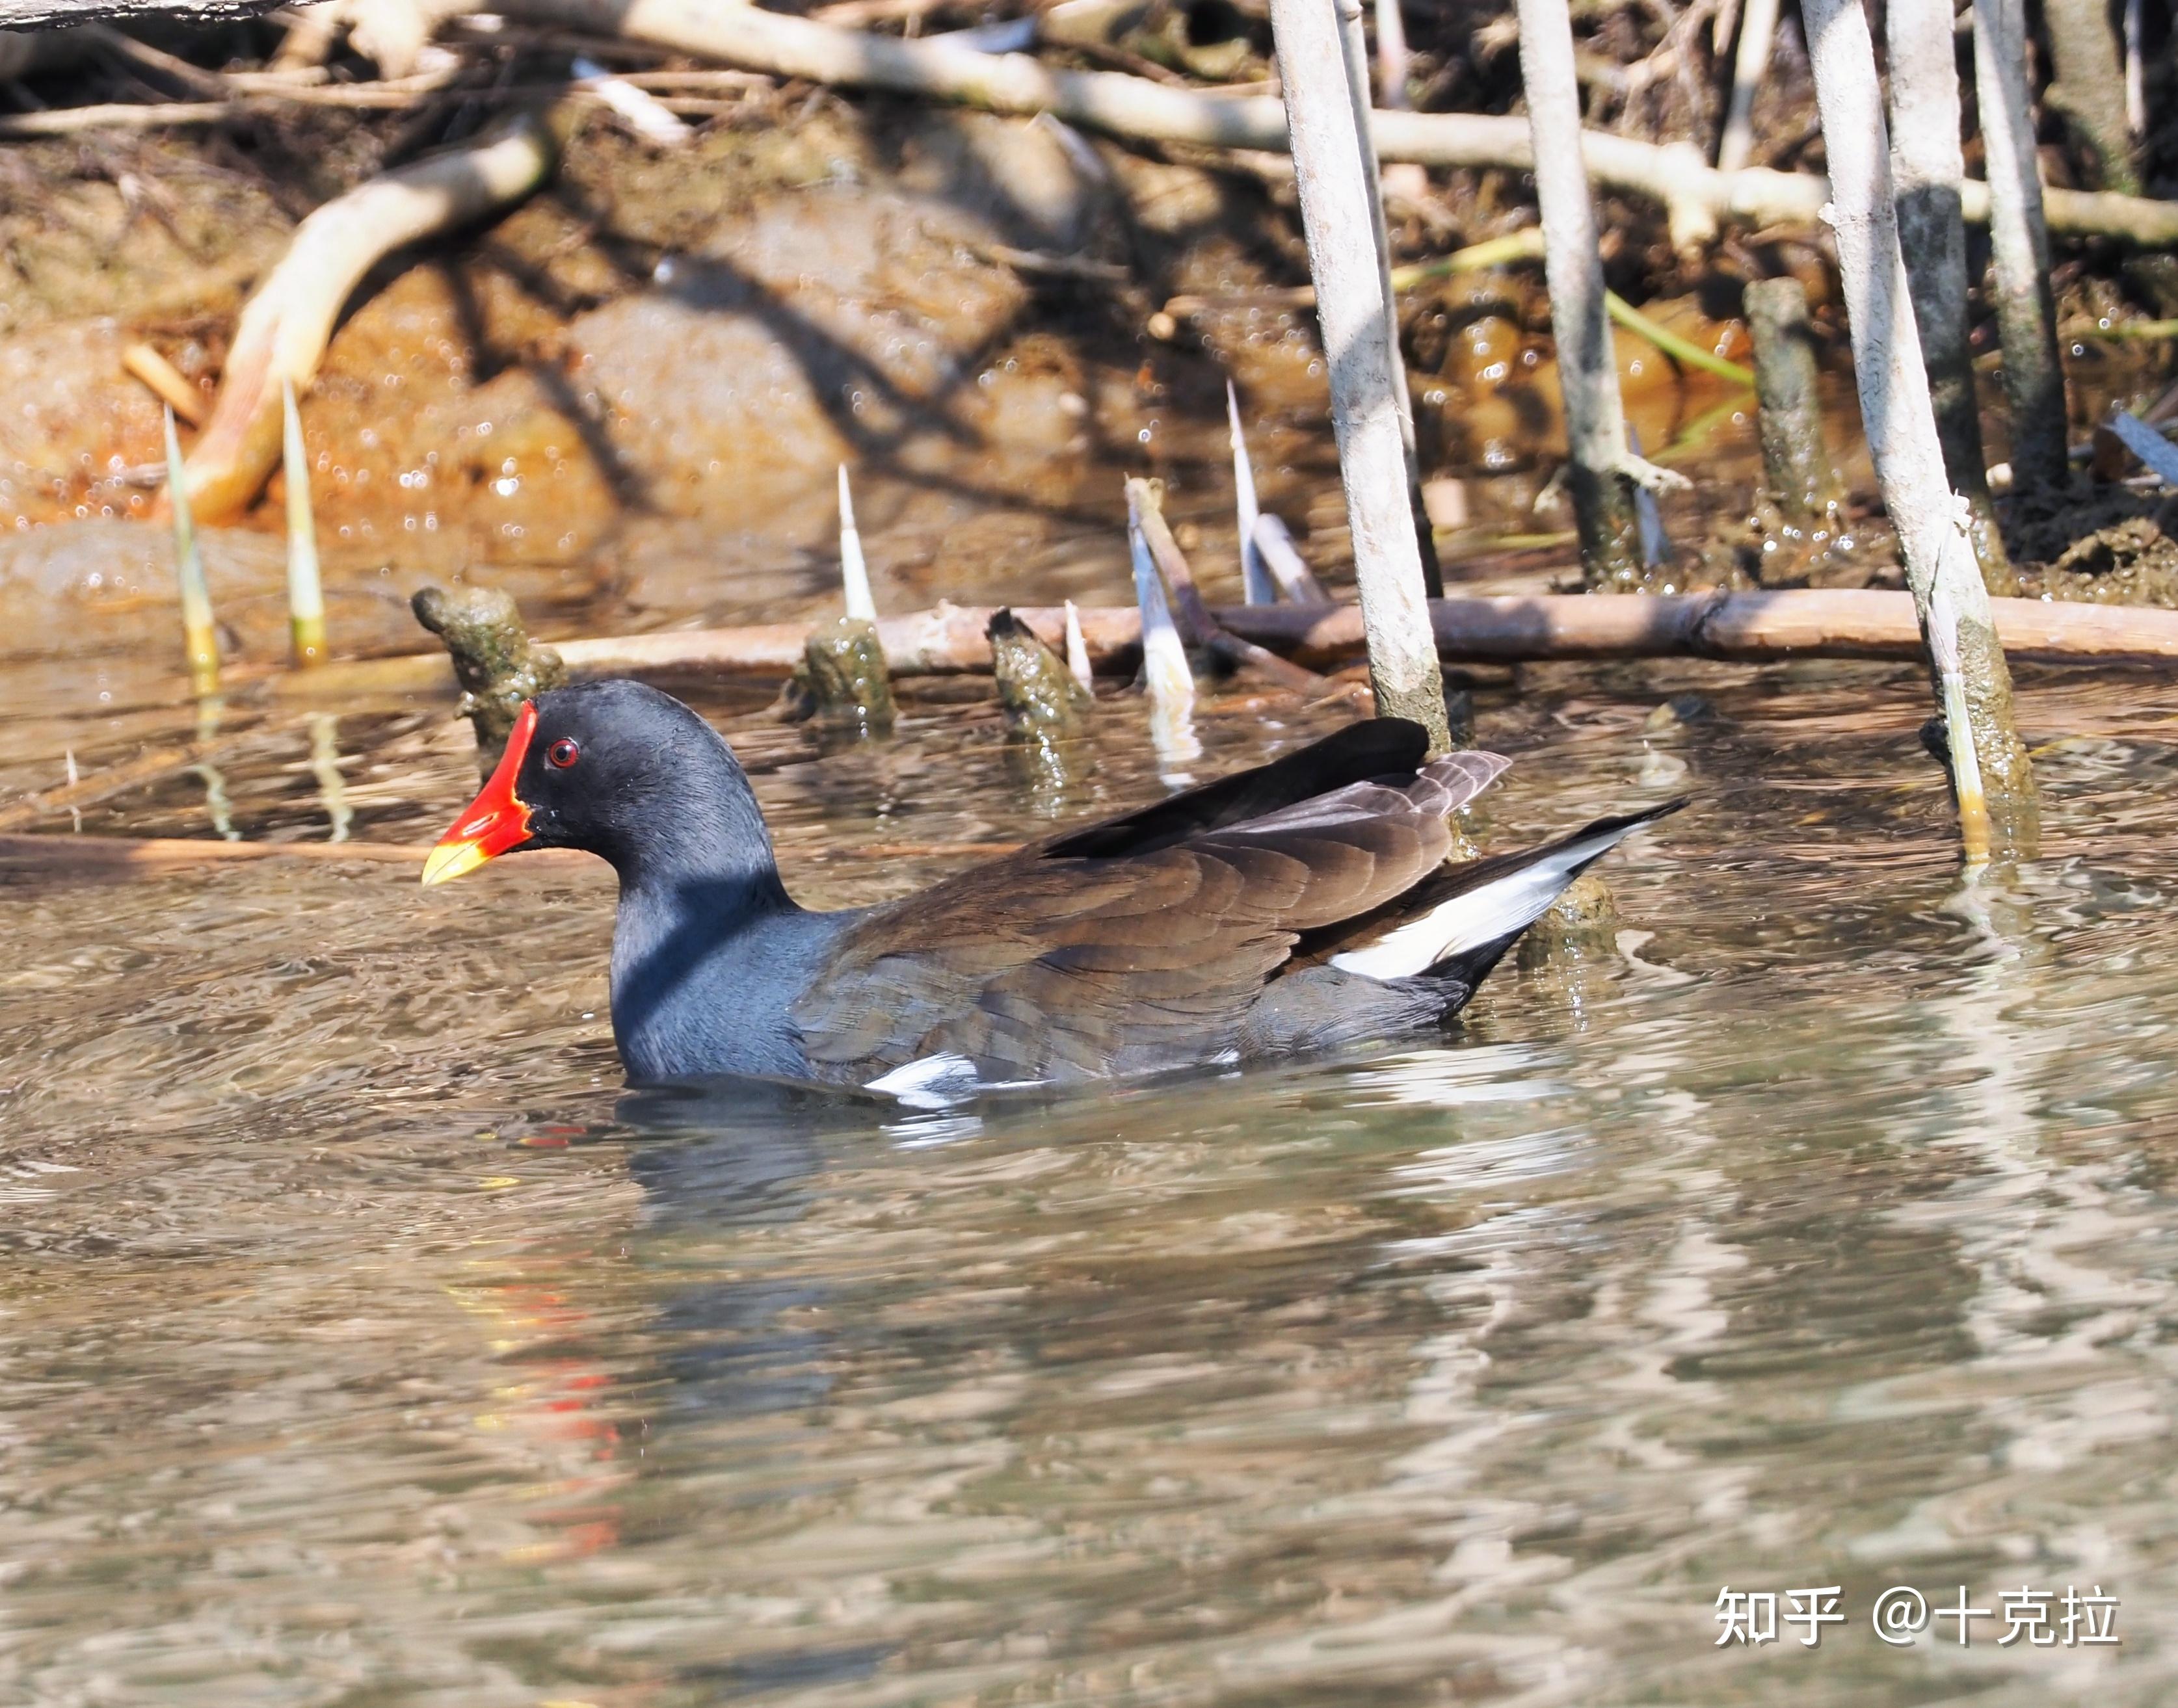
{"x": 496, "y": 820}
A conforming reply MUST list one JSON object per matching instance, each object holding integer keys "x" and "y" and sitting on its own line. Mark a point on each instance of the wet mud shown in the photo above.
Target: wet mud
{"x": 624, "y": 403}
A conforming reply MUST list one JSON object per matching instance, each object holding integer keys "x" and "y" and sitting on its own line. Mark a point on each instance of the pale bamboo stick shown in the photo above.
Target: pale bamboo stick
{"x": 1295, "y": 580}
{"x": 1165, "y": 672}
{"x": 2019, "y": 249}
{"x": 306, "y": 598}
{"x": 1750, "y": 64}
{"x": 1950, "y": 598}
{"x": 1333, "y": 170}
{"x": 1588, "y": 366}
{"x": 1928, "y": 167}
{"x": 854, "y": 568}
{"x": 1077, "y": 651}
{"x": 200, "y": 637}
{"x": 1256, "y": 584}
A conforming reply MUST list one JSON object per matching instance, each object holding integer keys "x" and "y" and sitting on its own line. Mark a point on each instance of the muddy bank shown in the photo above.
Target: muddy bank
{"x": 625, "y": 402}
{"x": 635, "y": 389}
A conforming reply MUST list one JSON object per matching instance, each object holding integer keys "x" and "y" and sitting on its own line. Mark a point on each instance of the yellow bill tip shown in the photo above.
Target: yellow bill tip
{"x": 450, "y": 860}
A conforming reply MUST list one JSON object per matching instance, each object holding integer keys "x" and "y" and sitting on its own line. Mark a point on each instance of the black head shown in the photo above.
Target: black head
{"x": 618, "y": 770}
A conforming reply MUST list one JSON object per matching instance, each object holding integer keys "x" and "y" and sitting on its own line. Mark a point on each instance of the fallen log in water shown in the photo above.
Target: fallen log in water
{"x": 1812, "y": 623}
{"x": 952, "y": 640}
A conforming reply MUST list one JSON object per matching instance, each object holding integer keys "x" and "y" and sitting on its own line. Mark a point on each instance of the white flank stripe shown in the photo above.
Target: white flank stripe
{"x": 935, "y": 1081}
{"x": 1510, "y": 903}
{"x": 940, "y": 1080}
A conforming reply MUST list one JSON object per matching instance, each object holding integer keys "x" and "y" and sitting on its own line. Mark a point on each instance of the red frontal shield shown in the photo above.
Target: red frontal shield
{"x": 496, "y": 820}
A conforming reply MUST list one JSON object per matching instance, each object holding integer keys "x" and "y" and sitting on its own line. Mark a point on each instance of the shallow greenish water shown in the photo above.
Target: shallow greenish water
{"x": 363, "y": 1344}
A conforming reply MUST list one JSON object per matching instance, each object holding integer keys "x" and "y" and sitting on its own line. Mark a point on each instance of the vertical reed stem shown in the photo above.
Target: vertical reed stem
{"x": 1257, "y": 587}
{"x": 1391, "y": 57}
{"x": 219, "y": 806}
{"x": 2136, "y": 72}
{"x": 1165, "y": 672}
{"x": 1795, "y": 466}
{"x": 1927, "y": 166}
{"x": 2019, "y": 246}
{"x": 1333, "y": 172}
{"x": 1750, "y": 62}
{"x": 1077, "y": 651}
{"x": 1648, "y": 515}
{"x": 1295, "y": 580}
{"x": 854, "y": 570}
{"x": 2087, "y": 77}
{"x": 200, "y": 638}
{"x": 306, "y": 599}
{"x": 1587, "y": 367}
{"x": 1949, "y": 596}
{"x": 1355, "y": 47}
{"x": 1974, "y": 837}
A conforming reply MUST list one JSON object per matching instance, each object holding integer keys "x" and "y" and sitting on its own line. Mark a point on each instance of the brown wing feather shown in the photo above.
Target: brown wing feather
{"x": 1038, "y": 968}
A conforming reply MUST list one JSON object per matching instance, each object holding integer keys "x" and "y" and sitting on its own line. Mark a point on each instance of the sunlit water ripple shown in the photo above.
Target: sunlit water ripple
{"x": 363, "y": 1346}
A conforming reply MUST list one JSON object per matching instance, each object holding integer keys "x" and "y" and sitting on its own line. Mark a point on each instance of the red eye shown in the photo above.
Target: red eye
{"x": 562, "y": 753}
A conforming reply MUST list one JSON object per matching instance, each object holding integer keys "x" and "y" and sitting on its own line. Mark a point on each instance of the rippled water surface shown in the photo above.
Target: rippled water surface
{"x": 363, "y": 1343}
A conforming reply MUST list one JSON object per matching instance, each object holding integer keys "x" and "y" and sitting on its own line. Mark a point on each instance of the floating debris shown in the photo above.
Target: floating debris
{"x": 495, "y": 661}
{"x": 844, "y": 681}
{"x": 1676, "y": 712}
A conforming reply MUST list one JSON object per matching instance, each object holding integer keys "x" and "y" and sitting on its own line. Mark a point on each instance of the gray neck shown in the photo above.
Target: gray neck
{"x": 678, "y": 905}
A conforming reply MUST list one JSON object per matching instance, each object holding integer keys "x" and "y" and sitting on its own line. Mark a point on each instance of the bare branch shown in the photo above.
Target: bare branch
{"x": 60, "y": 15}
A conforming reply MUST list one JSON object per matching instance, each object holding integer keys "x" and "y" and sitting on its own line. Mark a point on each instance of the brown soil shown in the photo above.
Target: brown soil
{"x": 2114, "y": 546}
{"x": 629, "y": 396}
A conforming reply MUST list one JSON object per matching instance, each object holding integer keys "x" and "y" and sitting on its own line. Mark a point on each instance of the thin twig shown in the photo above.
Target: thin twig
{"x": 166, "y": 383}
{"x": 190, "y": 77}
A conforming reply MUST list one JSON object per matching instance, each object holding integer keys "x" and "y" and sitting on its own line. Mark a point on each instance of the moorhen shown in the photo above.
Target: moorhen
{"x": 1303, "y": 904}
